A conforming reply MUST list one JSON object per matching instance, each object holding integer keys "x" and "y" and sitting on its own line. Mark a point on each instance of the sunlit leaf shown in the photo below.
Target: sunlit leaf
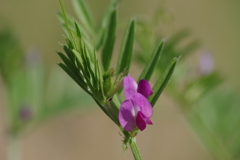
{"x": 162, "y": 82}
{"x": 109, "y": 40}
{"x": 125, "y": 55}
{"x": 84, "y": 15}
{"x": 150, "y": 66}
{"x": 102, "y": 26}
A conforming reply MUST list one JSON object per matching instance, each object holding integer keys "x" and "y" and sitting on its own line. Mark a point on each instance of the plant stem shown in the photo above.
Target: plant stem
{"x": 14, "y": 152}
{"x": 210, "y": 140}
{"x": 134, "y": 149}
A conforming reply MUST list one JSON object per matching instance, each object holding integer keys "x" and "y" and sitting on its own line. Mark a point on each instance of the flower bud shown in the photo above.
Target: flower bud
{"x": 112, "y": 83}
{"x": 108, "y": 81}
{"x": 25, "y": 113}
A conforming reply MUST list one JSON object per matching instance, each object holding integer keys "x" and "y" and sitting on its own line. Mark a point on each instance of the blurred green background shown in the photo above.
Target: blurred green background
{"x": 89, "y": 134}
{"x": 216, "y": 23}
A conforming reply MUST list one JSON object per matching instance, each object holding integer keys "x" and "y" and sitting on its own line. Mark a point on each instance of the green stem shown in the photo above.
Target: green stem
{"x": 134, "y": 149}
{"x": 211, "y": 140}
{"x": 14, "y": 152}
{"x": 132, "y": 139}
{"x": 215, "y": 146}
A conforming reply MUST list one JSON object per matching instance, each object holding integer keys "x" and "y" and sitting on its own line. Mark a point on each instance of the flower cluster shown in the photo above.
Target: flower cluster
{"x": 136, "y": 111}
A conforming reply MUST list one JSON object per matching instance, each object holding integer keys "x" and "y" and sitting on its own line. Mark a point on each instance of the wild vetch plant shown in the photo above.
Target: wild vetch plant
{"x": 196, "y": 93}
{"x": 32, "y": 97}
{"x": 104, "y": 85}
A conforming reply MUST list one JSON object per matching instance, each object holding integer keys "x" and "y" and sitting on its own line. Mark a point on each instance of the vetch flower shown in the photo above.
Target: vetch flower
{"x": 206, "y": 63}
{"x": 135, "y": 112}
{"x": 131, "y": 87}
{"x": 25, "y": 113}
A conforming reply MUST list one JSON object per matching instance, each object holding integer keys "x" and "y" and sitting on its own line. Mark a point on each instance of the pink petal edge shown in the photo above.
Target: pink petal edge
{"x": 140, "y": 122}
{"x": 143, "y": 104}
{"x": 130, "y": 86}
{"x": 144, "y": 88}
{"x": 127, "y": 116}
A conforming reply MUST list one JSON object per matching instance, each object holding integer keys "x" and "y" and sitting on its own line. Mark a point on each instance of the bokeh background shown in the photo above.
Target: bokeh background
{"x": 87, "y": 133}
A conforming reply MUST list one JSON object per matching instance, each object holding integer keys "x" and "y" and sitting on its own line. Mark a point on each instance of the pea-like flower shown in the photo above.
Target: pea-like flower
{"x": 136, "y": 111}
{"x": 25, "y": 113}
{"x": 131, "y": 87}
{"x": 206, "y": 63}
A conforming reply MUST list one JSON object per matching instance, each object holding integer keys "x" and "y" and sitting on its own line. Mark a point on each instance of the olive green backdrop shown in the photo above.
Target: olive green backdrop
{"x": 88, "y": 135}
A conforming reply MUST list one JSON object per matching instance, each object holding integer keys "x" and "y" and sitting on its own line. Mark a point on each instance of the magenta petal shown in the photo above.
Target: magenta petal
{"x": 144, "y": 88}
{"x": 206, "y": 63}
{"x": 148, "y": 121}
{"x": 144, "y": 105}
{"x": 130, "y": 86}
{"x": 127, "y": 116}
{"x": 140, "y": 122}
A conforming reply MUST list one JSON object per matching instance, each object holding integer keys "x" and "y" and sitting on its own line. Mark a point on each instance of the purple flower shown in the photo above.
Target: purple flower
{"x": 136, "y": 111}
{"x": 33, "y": 57}
{"x": 131, "y": 87}
{"x": 25, "y": 113}
{"x": 206, "y": 63}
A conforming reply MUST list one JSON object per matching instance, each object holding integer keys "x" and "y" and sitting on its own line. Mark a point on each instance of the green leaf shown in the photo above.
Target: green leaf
{"x": 69, "y": 53}
{"x": 69, "y": 64}
{"x": 74, "y": 26}
{"x": 62, "y": 20}
{"x": 79, "y": 34}
{"x": 83, "y": 14}
{"x": 77, "y": 80}
{"x": 125, "y": 55}
{"x": 116, "y": 102}
{"x": 82, "y": 65}
{"x": 95, "y": 61}
{"x": 102, "y": 26}
{"x": 148, "y": 70}
{"x": 65, "y": 18}
{"x": 162, "y": 82}
{"x": 71, "y": 70}
{"x": 109, "y": 40}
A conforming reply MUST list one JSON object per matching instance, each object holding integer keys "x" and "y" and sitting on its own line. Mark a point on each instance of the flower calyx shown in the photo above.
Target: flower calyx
{"x": 112, "y": 83}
